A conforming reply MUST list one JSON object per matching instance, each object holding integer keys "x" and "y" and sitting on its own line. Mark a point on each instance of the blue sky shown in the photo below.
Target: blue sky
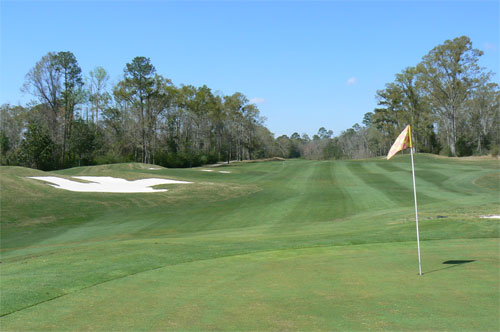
{"x": 306, "y": 64}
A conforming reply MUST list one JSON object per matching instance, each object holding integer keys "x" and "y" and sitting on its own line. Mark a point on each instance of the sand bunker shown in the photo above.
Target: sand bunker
{"x": 491, "y": 217}
{"x": 211, "y": 170}
{"x": 106, "y": 184}
{"x": 154, "y": 168}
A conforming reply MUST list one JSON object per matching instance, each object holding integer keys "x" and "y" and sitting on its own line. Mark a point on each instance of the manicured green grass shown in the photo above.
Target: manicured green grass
{"x": 300, "y": 245}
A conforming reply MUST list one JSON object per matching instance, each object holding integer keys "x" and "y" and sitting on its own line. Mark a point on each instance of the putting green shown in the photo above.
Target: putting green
{"x": 270, "y": 246}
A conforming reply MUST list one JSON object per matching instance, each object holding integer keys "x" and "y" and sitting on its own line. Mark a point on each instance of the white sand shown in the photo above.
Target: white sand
{"x": 491, "y": 217}
{"x": 106, "y": 184}
{"x": 211, "y": 170}
{"x": 154, "y": 168}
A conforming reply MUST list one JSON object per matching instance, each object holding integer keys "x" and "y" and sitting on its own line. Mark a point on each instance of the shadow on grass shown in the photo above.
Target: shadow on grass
{"x": 452, "y": 263}
{"x": 459, "y": 261}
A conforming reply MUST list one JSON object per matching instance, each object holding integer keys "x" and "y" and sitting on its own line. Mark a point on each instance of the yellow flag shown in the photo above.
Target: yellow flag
{"x": 402, "y": 142}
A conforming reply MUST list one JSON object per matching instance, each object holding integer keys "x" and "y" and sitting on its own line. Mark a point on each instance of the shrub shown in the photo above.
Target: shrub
{"x": 494, "y": 151}
{"x": 464, "y": 147}
{"x": 445, "y": 151}
{"x": 37, "y": 149}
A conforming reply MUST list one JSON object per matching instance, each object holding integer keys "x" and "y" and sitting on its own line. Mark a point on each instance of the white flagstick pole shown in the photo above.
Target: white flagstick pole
{"x": 416, "y": 211}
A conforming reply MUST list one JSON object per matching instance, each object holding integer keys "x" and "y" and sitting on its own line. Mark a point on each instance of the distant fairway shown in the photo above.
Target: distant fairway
{"x": 300, "y": 245}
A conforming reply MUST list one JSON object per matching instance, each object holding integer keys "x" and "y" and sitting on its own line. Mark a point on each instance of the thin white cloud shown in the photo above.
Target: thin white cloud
{"x": 257, "y": 100}
{"x": 490, "y": 46}
{"x": 351, "y": 81}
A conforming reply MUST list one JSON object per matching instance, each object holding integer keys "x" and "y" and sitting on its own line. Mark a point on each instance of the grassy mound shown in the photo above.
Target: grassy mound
{"x": 293, "y": 245}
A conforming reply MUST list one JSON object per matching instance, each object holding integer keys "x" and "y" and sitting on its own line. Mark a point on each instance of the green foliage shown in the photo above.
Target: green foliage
{"x": 448, "y": 74}
{"x": 332, "y": 150}
{"x": 67, "y": 64}
{"x": 445, "y": 151}
{"x": 494, "y": 151}
{"x": 37, "y": 149}
{"x": 184, "y": 159}
{"x": 99, "y": 98}
{"x": 112, "y": 158}
{"x": 4, "y": 143}
{"x": 86, "y": 140}
{"x": 447, "y": 99}
{"x": 464, "y": 147}
{"x": 149, "y": 120}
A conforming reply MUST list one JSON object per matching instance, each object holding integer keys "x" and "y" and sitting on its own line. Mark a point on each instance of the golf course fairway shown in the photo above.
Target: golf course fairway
{"x": 294, "y": 245}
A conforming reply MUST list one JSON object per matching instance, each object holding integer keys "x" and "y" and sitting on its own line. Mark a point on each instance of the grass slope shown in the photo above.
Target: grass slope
{"x": 270, "y": 246}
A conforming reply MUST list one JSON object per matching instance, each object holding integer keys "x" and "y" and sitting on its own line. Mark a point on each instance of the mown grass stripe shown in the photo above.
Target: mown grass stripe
{"x": 261, "y": 207}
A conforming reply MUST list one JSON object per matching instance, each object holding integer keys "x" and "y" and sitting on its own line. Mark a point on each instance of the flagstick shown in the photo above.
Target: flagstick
{"x": 416, "y": 211}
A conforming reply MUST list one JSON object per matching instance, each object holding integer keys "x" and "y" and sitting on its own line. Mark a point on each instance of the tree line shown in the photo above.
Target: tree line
{"x": 448, "y": 99}
{"x": 75, "y": 119}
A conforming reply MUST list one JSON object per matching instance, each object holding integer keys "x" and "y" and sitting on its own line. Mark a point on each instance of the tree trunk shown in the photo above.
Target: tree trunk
{"x": 479, "y": 142}
{"x": 65, "y": 134}
{"x": 453, "y": 136}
